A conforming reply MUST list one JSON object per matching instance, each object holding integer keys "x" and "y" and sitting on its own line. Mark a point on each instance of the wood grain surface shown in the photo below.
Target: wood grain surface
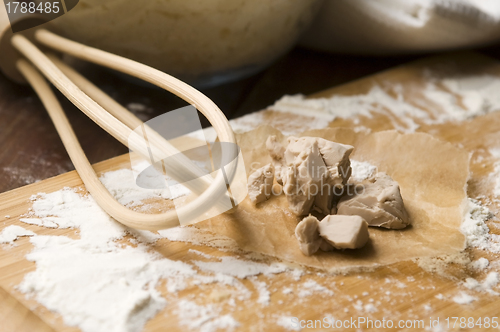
{"x": 401, "y": 291}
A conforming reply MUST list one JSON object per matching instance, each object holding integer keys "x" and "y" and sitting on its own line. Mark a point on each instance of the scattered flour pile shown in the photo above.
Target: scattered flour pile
{"x": 240, "y": 269}
{"x": 362, "y": 170}
{"x": 377, "y": 100}
{"x": 479, "y": 264}
{"x": 203, "y": 318}
{"x": 12, "y": 233}
{"x": 310, "y": 287}
{"x": 496, "y": 172}
{"x": 99, "y": 284}
{"x": 94, "y": 282}
{"x": 475, "y": 229}
{"x": 447, "y": 99}
{"x": 463, "y": 298}
{"x": 121, "y": 184}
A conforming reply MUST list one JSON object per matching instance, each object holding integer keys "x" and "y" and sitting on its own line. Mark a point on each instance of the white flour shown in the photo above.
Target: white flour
{"x": 121, "y": 184}
{"x": 97, "y": 284}
{"x": 203, "y": 318}
{"x": 12, "y": 233}
{"x": 247, "y": 122}
{"x": 253, "y": 120}
{"x": 496, "y": 172}
{"x": 310, "y": 287}
{"x": 447, "y": 99}
{"x": 491, "y": 281}
{"x": 455, "y": 99}
{"x": 287, "y": 323}
{"x": 240, "y": 269}
{"x": 362, "y": 170}
{"x": 475, "y": 229}
{"x": 464, "y": 298}
{"x": 264, "y": 294}
{"x": 480, "y": 264}
{"x": 479, "y": 94}
{"x": 91, "y": 281}
{"x": 46, "y": 222}
{"x": 377, "y": 100}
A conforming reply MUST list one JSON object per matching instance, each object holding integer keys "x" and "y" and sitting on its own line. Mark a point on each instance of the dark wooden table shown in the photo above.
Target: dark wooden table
{"x": 32, "y": 151}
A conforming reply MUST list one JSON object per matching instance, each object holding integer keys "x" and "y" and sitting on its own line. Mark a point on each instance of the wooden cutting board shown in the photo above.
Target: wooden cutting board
{"x": 411, "y": 299}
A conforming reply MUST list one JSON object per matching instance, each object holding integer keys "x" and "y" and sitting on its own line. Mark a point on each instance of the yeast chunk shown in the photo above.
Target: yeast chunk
{"x": 307, "y": 233}
{"x": 344, "y": 232}
{"x": 378, "y": 201}
{"x": 260, "y": 184}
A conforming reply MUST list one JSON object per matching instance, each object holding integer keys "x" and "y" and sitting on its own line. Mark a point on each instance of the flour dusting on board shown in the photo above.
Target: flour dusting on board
{"x": 455, "y": 99}
{"x": 442, "y": 100}
{"x": 121, "y": 184}
{"x": 475, "y": 229}
{"x": 92, "y": 281}
{"x": 204, "y": 318}
{"x": 11, "y": 233}
{"x": 99, "y": 284}
{"x": 496, "y": 172}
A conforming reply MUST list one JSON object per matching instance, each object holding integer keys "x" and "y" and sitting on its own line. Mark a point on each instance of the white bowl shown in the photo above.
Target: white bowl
{"x": 203, "y": 42}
